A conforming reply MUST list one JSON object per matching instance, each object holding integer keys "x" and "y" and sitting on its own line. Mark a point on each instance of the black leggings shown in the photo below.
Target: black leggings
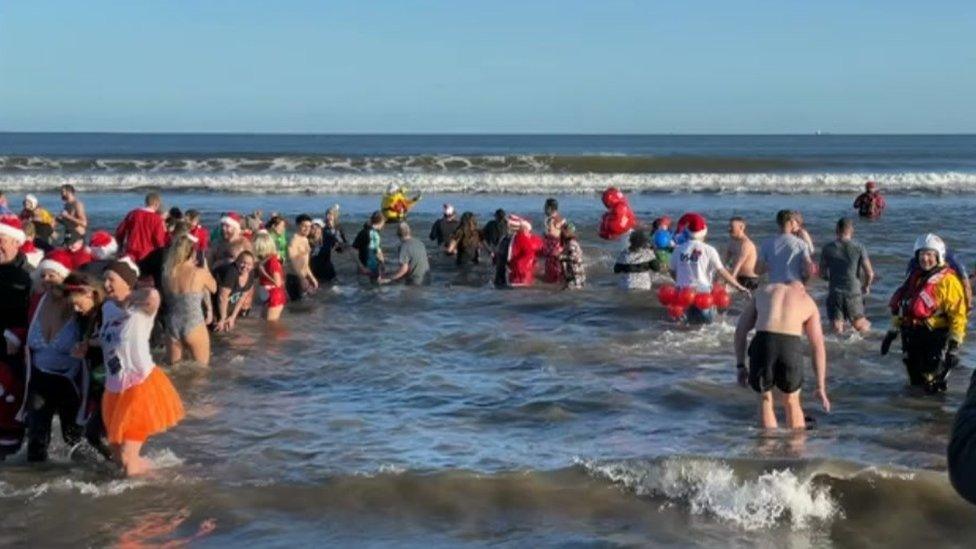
{"x": 50, "y": 394}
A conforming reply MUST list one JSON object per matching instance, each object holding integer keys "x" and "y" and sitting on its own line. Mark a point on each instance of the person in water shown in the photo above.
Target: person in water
{"x": 73, "y": 215}
{"x": 368, "y": 246}
{"x": 198, "y": 231}
{"x": 42, "y": 219}
{"x": 844, "y": 263}
{"x": 86, "y": 293}
{"x": 187, "y": 288}
{"x": 785, "y": 257}
{"x": 333, "y": 240}
{"x": 495, "y": 230}
{"x": 781, "y": 313}
{"x": 139, "y": 399}
{"x": 636, "y": 263}
{"x": 235, "y": 282}
{"x": 742, "y": 254}
{"x": 522, "y": 253}
{"x": 143, "y": 229}
{"x": 663, "y": 242}
{"x": 572, "y": 267}
{"x": 466, "y": 243}
{"x": 870, "y": 204}
{"x": 552, "y": 249}
{"x": 15, "y": 287}
{"x": 300, "y": 281}
{"x": 231, "y": 242}
{"x": 56, "y": 380}
{"x": 442, "y": 229}
{"x": 395, "y": 205}
{"x": 929, "y": 312}
{"x": 414, "y": 264}
{"x": 271, "y": 276}
{"x": 695, "y": 264}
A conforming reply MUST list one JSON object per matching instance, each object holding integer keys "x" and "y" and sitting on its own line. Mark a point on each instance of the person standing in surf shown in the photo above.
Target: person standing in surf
{"x": 143, "y": 229}
{"x": 870, "y": 204}
{"x": 300, "y": 281}
{"x": 786, "y": 257}
{"x": 844, "y": 263}
{"x": 73, "y": 215}
{"x": 742, "y": 254}
{"x": 368, "y": 246}
{"x": 781, "y": 313}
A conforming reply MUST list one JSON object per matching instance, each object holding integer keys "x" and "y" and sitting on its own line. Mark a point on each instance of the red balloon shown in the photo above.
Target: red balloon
{"x": 675, "y": 312}
{"x": 722, "y": 301}
{"x": 703, "y": 301}
{"x": 667, "y": 294}
{"x": 686, "y": 297}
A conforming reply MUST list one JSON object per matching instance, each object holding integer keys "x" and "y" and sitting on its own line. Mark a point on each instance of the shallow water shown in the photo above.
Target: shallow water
{"x": 459, "y": 414}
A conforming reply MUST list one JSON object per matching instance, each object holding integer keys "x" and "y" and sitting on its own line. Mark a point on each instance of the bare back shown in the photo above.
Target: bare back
{"x": 784, "y": 309}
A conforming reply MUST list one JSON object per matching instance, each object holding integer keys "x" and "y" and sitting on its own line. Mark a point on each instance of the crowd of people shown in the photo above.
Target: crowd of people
{"x": 81, "y": 310}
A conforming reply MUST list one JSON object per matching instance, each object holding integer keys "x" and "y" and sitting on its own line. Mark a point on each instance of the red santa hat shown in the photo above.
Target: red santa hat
{"x": 697, "y": 227}
{"x": 57, "y": 260}
{"x": 233, "y": 219}
{"x": 10, "y": 226}
{"x": 103, "y": 245}
{"x": 517, "y": 223}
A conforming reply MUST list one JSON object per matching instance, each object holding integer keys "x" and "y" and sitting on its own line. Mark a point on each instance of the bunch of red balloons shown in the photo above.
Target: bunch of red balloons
{"x": 677, "y": 301}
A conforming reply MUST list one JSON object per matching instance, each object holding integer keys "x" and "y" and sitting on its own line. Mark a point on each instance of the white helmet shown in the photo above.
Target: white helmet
{"x": 394, "y": 187}
{"x": 931, "y": 242}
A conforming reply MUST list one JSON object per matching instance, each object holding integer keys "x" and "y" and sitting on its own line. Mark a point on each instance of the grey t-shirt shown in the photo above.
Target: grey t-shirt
{"x": 413, "y": 253}
{"x": 785, "y": 256}
{"x": 840, "y": 262}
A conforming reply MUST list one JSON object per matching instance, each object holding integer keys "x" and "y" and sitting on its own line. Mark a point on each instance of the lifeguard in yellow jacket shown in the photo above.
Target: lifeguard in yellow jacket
{"x": 930, "y": 313}
{"x": 395, "y": 204}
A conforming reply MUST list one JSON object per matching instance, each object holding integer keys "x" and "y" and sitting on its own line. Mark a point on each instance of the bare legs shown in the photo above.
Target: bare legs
{"x": 197, "y": 342}
{"x": 791, "y": 407}
{"x": 127, "y": 455}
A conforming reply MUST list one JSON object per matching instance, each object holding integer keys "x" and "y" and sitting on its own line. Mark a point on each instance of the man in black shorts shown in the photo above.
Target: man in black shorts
{"x": 780, "y": 313}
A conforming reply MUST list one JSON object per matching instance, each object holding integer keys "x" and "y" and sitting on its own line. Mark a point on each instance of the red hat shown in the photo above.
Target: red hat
{"x": 696, "y": 225}
{"x": 232, "y": 218}
{"x": 57, "y": 260}
{"x": 10, "y": 226}
{"x": 103, "y": 245}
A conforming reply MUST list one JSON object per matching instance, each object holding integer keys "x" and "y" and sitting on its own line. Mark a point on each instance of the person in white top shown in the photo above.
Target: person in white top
{"x": 695, "y": 264}
{"x": 139, "y": 399}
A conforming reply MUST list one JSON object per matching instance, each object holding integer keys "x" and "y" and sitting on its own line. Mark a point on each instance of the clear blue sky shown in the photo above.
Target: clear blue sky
{"x": 589, "y": 66}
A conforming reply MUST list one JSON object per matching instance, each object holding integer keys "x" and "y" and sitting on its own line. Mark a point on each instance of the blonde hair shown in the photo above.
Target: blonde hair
{"x": 179, "y": 252}
{"x": 264, "y": 246}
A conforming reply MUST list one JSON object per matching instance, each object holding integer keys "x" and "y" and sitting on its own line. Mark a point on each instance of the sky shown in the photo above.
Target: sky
{"x": 499, "y": 66}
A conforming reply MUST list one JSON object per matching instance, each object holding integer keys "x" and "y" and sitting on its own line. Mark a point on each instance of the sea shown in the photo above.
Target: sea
{"x": 461, "y": 415}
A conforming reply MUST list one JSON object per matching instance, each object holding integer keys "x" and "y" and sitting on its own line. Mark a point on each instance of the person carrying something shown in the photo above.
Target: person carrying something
{"x": 930, "y": 314}
{"x": 414, "y": 263}
{"x": 694, "y": 265}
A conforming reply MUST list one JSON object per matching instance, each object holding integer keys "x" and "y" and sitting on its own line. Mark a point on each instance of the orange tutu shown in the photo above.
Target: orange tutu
{"x": 143, "y": 410}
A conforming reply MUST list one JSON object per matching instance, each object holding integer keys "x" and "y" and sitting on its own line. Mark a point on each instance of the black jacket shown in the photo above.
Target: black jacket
{"x": 15, "y": 287}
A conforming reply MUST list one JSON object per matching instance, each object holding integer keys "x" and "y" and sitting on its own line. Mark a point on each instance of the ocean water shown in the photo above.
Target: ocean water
{"x": 458, "y": 414}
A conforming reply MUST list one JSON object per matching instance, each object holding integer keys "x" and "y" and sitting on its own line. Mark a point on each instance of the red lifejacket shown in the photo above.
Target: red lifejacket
{"x": 870, "y": 205}
{"x": 916, "y": 300}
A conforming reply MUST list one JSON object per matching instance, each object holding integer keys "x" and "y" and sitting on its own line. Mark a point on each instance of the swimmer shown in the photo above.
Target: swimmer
{"x": 742, "y": 254}
{"x": 781, "y": 313}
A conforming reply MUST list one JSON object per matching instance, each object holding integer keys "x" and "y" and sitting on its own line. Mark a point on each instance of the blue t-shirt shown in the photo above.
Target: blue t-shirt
{"x": 785, "y": 257}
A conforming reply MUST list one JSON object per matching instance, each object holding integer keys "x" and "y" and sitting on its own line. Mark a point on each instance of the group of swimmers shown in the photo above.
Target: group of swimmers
{"x": 79, "y": 318}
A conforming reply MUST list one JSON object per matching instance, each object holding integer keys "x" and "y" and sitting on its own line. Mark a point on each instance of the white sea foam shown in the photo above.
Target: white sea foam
{"x": 712, "y": 487}
{"x": 500, "y": 183}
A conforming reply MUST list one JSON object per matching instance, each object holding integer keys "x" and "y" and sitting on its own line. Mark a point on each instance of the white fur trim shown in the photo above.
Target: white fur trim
{"x": 105, "y": 252}
{"x": 12, "y": 338}
{"x": 51, "y": 265}
{"x": 13, "y": 232}
{"x": 230, "y": 221}
{"x": 700, "y": 235}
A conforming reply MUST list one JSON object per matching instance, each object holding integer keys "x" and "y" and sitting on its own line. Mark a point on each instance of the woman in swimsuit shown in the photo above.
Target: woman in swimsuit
{"x": 187, "y": 288}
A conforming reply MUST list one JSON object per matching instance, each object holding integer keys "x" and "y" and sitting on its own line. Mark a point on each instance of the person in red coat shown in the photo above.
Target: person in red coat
{"x": 143, "y": 229}
{"x": 619, "y": 218}
{"x": 523, "y": 252}
{"x": 198, "y": 231}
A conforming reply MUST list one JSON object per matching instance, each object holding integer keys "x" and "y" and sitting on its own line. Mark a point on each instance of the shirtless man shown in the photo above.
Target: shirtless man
{"x": 780, "y": 313}
{"x": 73, "y": 216}
{"x": 299, "y": 279}
{"x": 232, "y": 242}
{"x": 742, "y": 255}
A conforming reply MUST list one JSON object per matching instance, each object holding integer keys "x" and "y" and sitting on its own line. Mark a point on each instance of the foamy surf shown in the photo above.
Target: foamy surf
{"x": 712, "y": 487}
{"x": 498, "y": 183}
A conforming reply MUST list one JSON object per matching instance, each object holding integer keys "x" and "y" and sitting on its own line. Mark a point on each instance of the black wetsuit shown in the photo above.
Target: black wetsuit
{"x": 962, "y": 446}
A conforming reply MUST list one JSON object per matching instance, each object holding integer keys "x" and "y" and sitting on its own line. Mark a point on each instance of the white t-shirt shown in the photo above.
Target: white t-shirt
{"x": 125, "y": 343}
{"x": 694, "y": 264}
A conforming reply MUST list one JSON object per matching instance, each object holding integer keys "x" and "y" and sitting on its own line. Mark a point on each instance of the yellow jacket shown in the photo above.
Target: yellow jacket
{"x": 953, "y": 309}
{"x": 396, "y": 205}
